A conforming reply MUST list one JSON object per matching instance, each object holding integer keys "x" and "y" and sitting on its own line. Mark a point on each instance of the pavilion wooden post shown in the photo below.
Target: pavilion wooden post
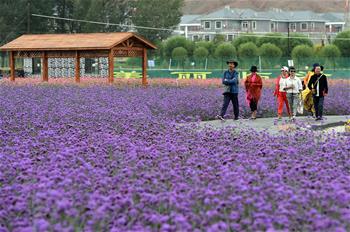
{"x": 144, "y": 67}
{"x": 111, "y": 67}
{"x": 45, "y": 74}
{"x": 12, "y": 66}
{"x": 77, "y": 67}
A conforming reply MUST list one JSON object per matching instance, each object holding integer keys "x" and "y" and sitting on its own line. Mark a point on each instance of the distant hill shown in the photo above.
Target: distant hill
{"x": 205, "y": 6}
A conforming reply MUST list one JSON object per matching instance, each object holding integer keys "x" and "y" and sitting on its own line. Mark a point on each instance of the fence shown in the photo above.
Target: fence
{"x": 213, "y": 68}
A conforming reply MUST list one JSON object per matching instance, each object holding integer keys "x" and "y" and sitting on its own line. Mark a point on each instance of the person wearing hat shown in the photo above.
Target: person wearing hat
{"x": 306, "y": 94}
{"x": 253, "y": 85}
{"x": 293, "y": 87}
{"x": 319, "y": 88}
{"x": 230, "y": 82}
{"x": 280, "y": 93}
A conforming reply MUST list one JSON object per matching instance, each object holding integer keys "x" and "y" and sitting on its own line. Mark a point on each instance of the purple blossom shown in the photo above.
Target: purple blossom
{"x": 116, "y": 159}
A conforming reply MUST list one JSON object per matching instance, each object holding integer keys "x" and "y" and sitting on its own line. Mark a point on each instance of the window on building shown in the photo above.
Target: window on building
{"x": 312, "y": 26}
{"x": 195, "y": 38}
{"x": 303, "y": 26}
{"x": 207, "y": 38}
{"x": 254, "y": 25}
{"x": 273, "y": 26}
{"x": 207, "y": 25}
{"x": 91, "y": 66}
{"x": 245, "y": 25}
{"x": 229, "y": 37}
{"x": 292, "y": 26}
{"x": 218, "y": 25}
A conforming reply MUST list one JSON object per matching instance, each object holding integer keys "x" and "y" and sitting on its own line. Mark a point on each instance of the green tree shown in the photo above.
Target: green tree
{"x": 277, "y": 39}
{"x": 296, "y": 40}
{"x": 219, "y": 38}
{"x": 269, "y": 50}
{"x": 248, "y": 50}
{"x": 244, "y": 39}
{"x": 301, "y": 53}
{"x": 270, "y": 54}
{"x": 64, "y": 9}
{"x": 210, "y": 46}
{"x": 330, "y": 51}
{"x": 225, "y": 51}
{"x": 157, "y": 14}
{"x": 200, "y": 53}
{"x": 177, "y": 41}
{"x": 342, "y": 41}
{"x": 179, "y": 54}
{"x": 16, "y": 19}
{"x": 107, "y": 11}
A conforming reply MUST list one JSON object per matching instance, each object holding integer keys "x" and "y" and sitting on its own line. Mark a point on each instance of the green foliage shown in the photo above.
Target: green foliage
{"x": 200, "y": 53}
{"x": 178, "y": 41}
{"x": 218, "y": 39}
{"x": 157, "y": 14}
{"x": 210, "y": 46}
{"x": 329, "y": 51}
{"x": 269, "y": 50}
{"x": 248, "y": 50}
{"x": 237, "y": 42}
{"x": 277, "y": 39}
{"x": 108, "y": 11}
{"x": 296, "y": 40}
{"x": 179, "y": 54}
{"x": 225, "y": 51}
{"x": 302, "y": 52}
{"x": 342, "y": 41}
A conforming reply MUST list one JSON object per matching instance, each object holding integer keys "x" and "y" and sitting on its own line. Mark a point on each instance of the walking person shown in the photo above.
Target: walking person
{"x": 293, "y": 87}
{"x": 253, "y": 85}
{"x": 319, "y": 87}
{"x": 306, "y": 94}
{"x": 230, "y": 82}
{"x": 280, "y": 93}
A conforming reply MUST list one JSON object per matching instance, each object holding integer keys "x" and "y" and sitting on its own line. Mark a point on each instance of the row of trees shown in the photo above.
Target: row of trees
{"x": 244, "y": 47}
{"x": 16, "y": 16}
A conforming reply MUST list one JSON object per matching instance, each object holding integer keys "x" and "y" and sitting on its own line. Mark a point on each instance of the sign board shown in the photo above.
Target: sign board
{"x": 151, "y": 63}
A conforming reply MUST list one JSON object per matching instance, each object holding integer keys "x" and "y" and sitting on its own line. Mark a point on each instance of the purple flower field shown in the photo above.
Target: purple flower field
{"x": 115, "y": 159}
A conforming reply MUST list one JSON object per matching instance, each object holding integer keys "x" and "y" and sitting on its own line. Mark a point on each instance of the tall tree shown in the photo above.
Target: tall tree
{"x": 35, "y": 25}
{"x": 157, "y": 14}
{"x": 107, "y": 11}
{"x": 12, "y": 19}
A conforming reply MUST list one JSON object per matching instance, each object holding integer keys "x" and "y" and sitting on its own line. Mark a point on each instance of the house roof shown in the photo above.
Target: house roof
{"x": 333, "y": 17}
{"x": 86, "y": 41}
{"x": 273, "y": 15}
{"x": 190, "y": 19}
{"x": 225, "y": 12}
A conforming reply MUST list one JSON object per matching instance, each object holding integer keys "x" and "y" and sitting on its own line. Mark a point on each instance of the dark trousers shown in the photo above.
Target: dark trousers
{"x": 227, "y": 98}
{"x": 318, "y": 104}
{"x": 253, "y": 105}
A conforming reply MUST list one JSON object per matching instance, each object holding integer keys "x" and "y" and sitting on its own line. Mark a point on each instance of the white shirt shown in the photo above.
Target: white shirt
{"x": 295, "y": 83}
{"x": 282, "y": 84}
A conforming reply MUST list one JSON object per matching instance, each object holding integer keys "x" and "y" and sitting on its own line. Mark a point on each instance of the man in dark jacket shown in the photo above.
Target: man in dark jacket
{"x": 319, "y": 87}
{"x": 230, "y": 82}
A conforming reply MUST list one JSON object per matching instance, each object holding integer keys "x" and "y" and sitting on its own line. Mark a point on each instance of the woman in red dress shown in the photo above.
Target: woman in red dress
{"x": 253, "y": 85}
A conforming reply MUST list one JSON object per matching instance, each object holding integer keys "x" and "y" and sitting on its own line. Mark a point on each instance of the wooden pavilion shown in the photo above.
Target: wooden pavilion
{"x": 89, "y": 45}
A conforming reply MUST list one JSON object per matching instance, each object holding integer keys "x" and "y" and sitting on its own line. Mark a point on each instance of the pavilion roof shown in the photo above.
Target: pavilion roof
{"x": 81, "y": 41}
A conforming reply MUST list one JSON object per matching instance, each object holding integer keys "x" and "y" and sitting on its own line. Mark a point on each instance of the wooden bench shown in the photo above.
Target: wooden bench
{"x": 187, "y": 75}
{"x": 128, "y": 75}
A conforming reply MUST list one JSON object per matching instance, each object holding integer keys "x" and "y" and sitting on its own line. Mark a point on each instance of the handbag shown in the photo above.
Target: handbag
{"x": 313, "y": 90}
{"x": 300, "y": 107}
{"x": 227, "y": 89}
